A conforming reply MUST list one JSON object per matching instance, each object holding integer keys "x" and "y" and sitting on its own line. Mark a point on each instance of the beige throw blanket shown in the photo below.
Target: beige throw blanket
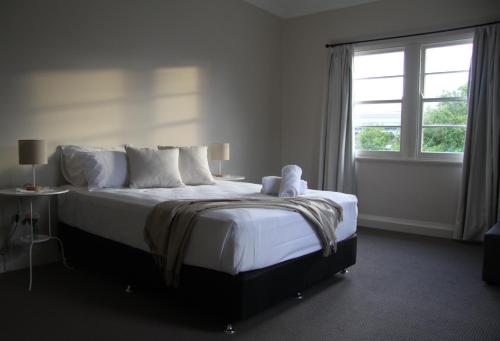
{"x": 169, "y": 225}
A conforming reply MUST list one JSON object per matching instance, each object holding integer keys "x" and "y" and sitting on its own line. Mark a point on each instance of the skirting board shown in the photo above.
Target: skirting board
{"x": 421, "y": 227}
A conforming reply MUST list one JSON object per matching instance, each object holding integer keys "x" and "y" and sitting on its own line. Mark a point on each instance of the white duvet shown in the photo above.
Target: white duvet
{"x": 228, "y": 240}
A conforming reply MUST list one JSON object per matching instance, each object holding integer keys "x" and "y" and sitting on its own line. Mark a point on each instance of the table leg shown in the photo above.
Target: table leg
{"x": 31, "y": 266}
{"x": 61, "y": 246}
{"x": 31, "y": 220}
{"x": 31, "y": 246}
{"x": 50, "y": 219}
{"x": 59, "y": 241}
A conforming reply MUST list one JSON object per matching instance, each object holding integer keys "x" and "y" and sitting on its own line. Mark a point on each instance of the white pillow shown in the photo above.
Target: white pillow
{"x": 73, "y": 162}
{"x": 193, "y": 165}
{"x": 153, "y": 168}
{"x": 106, "y": 168}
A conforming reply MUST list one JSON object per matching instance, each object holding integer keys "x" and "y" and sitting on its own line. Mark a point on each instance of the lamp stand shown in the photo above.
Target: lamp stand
{"x": 34, "y": 177}
{"x": 220, "y": 168}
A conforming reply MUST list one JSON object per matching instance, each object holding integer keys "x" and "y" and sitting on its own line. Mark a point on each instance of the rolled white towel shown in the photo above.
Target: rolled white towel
{"x": 271, "y": 185}
{"x": 290, "y": 182}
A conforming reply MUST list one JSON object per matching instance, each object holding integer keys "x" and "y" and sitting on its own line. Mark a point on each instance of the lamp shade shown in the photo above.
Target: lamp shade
{"x": 32, "y": 152}
{"x": 219, "y": 151}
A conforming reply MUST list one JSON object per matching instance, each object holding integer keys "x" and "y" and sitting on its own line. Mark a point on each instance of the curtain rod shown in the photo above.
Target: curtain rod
{"x": 412, "y": 35}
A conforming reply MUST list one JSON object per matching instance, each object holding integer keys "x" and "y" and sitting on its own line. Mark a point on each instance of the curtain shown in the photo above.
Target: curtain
{"x": 479, "y": 206}
{"x": 336, "y": 168}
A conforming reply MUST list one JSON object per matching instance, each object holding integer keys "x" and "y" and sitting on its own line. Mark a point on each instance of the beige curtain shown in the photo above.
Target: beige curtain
{"x": 336, "y": 168}
{"x": 479, "y": 206}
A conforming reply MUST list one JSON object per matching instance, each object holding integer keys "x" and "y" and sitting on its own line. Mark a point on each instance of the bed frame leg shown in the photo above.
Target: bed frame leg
{"x": 229, "y": 329}
{"x": 129, "y": 289}
{"x": 344, "y": 271}
{"x": 299, "y": 296}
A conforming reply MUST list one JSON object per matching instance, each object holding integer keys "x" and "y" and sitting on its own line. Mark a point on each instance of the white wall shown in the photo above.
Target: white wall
{"x": 416, "y": 197}
{"x": 142, "y": 72}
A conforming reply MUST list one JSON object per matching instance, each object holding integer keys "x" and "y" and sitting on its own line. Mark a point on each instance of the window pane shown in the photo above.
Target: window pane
{"x": 446, "y": 85}
{"x": 443, "y": 122}
{"x": 378, "y": 89}
{"x": 377, "y": 139}
{"x": 379, "y": 64}
{"x": 378, "y": 77}
{"x": 448, "y": 58}
{"x": 443, "y": 140}
{"x": 383, "y": 114}
{"x": 451, "y": 112}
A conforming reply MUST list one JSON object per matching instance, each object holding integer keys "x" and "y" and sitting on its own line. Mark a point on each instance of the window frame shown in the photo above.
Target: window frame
{"x": 381, "y": 153}
{"x": 449, "y": 156}
{"x": 412, "y": 101}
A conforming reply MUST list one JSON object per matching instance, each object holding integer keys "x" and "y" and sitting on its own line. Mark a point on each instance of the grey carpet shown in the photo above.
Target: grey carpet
{"x": 404, "y": 287}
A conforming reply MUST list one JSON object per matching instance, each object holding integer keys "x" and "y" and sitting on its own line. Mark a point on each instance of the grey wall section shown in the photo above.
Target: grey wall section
{"x": 143, "y": 72}
{"x": 405, "y": 196}
{"x": 140, "y": 72}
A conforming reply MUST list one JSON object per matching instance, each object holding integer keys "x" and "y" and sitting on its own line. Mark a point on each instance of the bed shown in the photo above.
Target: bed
{"x": 243, "y": 260}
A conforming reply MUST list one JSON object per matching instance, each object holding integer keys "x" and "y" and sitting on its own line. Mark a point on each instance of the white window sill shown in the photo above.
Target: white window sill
{"x": 445, "y": 162}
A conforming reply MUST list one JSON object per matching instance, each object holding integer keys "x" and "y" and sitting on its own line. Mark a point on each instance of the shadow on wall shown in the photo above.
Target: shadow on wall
{"x": 101, "y": 107}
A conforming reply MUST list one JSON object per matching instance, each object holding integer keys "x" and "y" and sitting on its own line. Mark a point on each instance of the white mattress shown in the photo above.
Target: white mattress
{"x": 228, "y": 240}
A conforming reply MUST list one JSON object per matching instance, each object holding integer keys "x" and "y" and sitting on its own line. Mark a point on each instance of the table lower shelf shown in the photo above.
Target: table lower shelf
{"x": 37, "y": 238}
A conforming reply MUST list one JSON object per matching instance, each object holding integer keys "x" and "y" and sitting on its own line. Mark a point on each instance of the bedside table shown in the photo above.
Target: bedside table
{"x": 32, "y": 238}
{"x": 230, "y": 177}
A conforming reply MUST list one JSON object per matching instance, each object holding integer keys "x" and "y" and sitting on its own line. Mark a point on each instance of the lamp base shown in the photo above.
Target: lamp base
{"x": 219, "y": 174}
{"x": 32, "y": 188}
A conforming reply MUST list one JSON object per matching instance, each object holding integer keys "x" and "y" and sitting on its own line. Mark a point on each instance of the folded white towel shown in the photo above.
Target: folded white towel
{"x": 290, "y": 181}
{"x": 271, "y": 185}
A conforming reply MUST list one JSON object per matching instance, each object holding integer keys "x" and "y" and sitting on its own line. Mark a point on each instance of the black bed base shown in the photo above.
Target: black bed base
{"x": 236, "y": 297}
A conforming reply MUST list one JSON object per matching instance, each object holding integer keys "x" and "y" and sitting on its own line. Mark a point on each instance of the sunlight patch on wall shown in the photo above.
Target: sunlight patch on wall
{"x": 175, "y": 105}
{"x": 114, "y": 106}
{"x": 171, "y": 81}
{"x": 79, "y": 106}
{"x": 69, "y": 88}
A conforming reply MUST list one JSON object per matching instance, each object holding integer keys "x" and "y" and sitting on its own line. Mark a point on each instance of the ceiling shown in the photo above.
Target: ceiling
{"x": 296, "y": 8}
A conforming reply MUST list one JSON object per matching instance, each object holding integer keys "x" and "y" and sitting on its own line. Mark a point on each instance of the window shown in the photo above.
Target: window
{"x": 410, "y": 99}
{"x": 378, "y": 94}
{"x": 444, "y": 97}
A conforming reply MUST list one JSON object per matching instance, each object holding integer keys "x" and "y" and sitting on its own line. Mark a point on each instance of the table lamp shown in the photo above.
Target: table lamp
{"x": 32, "y": 152}
{"x": 219, "y": 152}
